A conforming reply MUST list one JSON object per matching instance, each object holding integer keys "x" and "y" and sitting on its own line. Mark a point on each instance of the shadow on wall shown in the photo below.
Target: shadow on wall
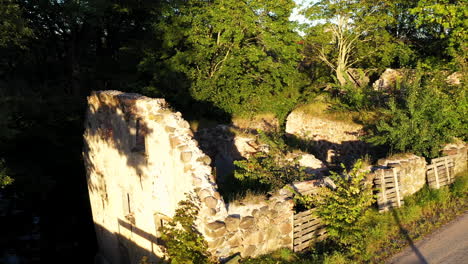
{"x": 118, "y": 123}
{"x": 122, "y": 249}
{"x": 333, "y": 154}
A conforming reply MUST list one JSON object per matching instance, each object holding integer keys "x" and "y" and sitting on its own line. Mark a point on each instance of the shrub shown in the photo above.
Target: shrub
{"x": 342, "y": 207}
{"x": 269, "y": 170}
{"x": 427, "y": 114}
{"x": 184, "y": 244}
{"x": 4, "y": 178}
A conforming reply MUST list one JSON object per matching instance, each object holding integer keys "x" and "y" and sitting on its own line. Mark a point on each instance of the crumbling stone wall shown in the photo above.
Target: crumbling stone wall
{"x": 412, "y": 170}
{"x": 459, "y": 154}
{"x": 334, "y": 141}
{"x": 141, "y": 160}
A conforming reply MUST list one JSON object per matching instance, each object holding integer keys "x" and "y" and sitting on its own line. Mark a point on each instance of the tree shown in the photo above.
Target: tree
{"x": 354, "y": 33}
{"x": 444, "y": 22}
{"x": 240, "y": 56}
{"x": 13, "y": 28}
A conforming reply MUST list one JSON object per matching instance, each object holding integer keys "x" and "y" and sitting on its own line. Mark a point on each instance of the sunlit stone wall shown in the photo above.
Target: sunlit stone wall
{"x": 141, "y": 160}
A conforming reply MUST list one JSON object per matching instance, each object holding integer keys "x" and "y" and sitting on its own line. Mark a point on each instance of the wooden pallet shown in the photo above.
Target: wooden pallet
{"x": 308, "y": 229}
{"x": 440, "y": 172}
{"x": 388, "y": 186}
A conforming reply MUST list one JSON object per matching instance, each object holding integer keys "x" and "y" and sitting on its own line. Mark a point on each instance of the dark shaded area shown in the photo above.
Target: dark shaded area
{"x": 405, "y": 232}
{"x": 123, "y": 249}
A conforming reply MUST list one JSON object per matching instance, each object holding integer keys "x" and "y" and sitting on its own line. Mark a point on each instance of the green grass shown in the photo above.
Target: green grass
{"x": 388, "y": 233}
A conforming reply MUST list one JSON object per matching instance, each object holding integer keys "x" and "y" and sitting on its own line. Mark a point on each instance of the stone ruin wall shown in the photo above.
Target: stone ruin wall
{"x": 412, "y": 171}
{"x": 141, "y": 160}
{"x": 459, "y": 154}
{"x": 334, "y": 141}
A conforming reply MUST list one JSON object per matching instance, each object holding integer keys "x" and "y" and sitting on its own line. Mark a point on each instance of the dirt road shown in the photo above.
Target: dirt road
{"x": 446, "y": 245}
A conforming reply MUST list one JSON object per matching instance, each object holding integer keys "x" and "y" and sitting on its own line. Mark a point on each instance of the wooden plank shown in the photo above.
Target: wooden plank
{"x": 447, "y": 170}
{"x": 397, "y": 188}
{"x": 386, "y": 180}
{"x": 309, "y": 229}
{"x": 305, "y": 218}
{"x": 306, "y": 244}
{"x": 309, "y": 236}
{"x": 305, "y": 225}
{"x": 382, "y": 188}
{"x": 304, "y": 213}
{"x": 436, "y": 177}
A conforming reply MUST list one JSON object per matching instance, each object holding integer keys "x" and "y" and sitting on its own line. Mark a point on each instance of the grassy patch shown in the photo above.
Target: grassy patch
{"x": 387, "y": 233}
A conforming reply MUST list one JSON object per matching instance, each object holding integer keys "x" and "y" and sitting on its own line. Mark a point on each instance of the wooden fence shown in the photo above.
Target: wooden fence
{"x": 387, "y": 183}
{"x": 440, "y": 172}
{"x": 308, "y": 229}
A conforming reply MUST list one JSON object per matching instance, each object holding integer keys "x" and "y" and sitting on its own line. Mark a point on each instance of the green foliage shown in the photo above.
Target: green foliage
{"x": 341, "y": 208}
{"x": 459, "y": 188}
{"x": 444, "y": 20}
{"x": 184, "y": 244}
{"x": 13, "y": 28}
{"x": 4, "y": 178}
{"x": 269, "y": 170}
{"x": 428, "y": 114}
{"x": 240, "y": 56}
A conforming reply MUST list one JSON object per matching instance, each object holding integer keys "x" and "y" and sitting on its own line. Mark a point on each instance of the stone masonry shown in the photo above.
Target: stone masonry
{"x": 412, "y": 170}
{"x": 141, "y": 160}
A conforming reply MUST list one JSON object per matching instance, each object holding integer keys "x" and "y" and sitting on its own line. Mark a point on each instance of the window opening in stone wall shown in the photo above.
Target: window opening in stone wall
{"x": 139, "y": 137}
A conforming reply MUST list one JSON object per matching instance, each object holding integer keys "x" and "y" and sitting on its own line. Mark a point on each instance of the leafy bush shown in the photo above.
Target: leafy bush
{"x": 4, "y": 178}
{"x": 427, "y": 114}
{"x": 184, "y": 244}
{"x": 459, "y": 188}
{"x": 269, "y": 170}
{"x": 342, "y": 207}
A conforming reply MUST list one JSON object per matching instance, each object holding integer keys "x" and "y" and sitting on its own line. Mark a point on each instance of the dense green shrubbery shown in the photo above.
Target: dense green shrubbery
{"x": 269, "y": 170}
{"x": 342, "y": 207}
{"x": 184, "y": 244}
{"x": 426, "y": 114}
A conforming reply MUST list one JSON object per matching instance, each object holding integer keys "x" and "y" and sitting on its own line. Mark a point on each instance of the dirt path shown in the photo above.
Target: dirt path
{"x": 448, "y": 245}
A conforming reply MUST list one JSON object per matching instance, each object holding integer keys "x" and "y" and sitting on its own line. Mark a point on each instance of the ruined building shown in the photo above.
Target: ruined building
{"x": 141, "y": 160}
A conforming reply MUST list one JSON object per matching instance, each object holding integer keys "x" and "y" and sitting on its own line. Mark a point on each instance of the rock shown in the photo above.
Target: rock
{"x": 248, "y": 251}
{"x": 174, "y": 141}
{"x": 215, "y": 243}
{"x": 389, "y": 79}
{"x": 232, "y": 223}
{"x": 205, "y": 159}
{"x": 263, "y": 222}
{"x": 202, "y": 194}
{"x": 312, "y": 164}
{"x": 169, "y": 129}
{"x": 254, "y": 238}
{"x": 186, "y": 156}
{"x": 216, "y": 225}
{"x": 216, "y": 229}
{"x": 217, "y": 195}
{"x": 255, "y": 213}
{"x": 454, "y": 78}
{"x": 235, "y": 241}
{"x": 247, "y": 222}
{"x": 286, "y": 241}
{"x": 285, "y": 228}
{"x": 210, "y": 201}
